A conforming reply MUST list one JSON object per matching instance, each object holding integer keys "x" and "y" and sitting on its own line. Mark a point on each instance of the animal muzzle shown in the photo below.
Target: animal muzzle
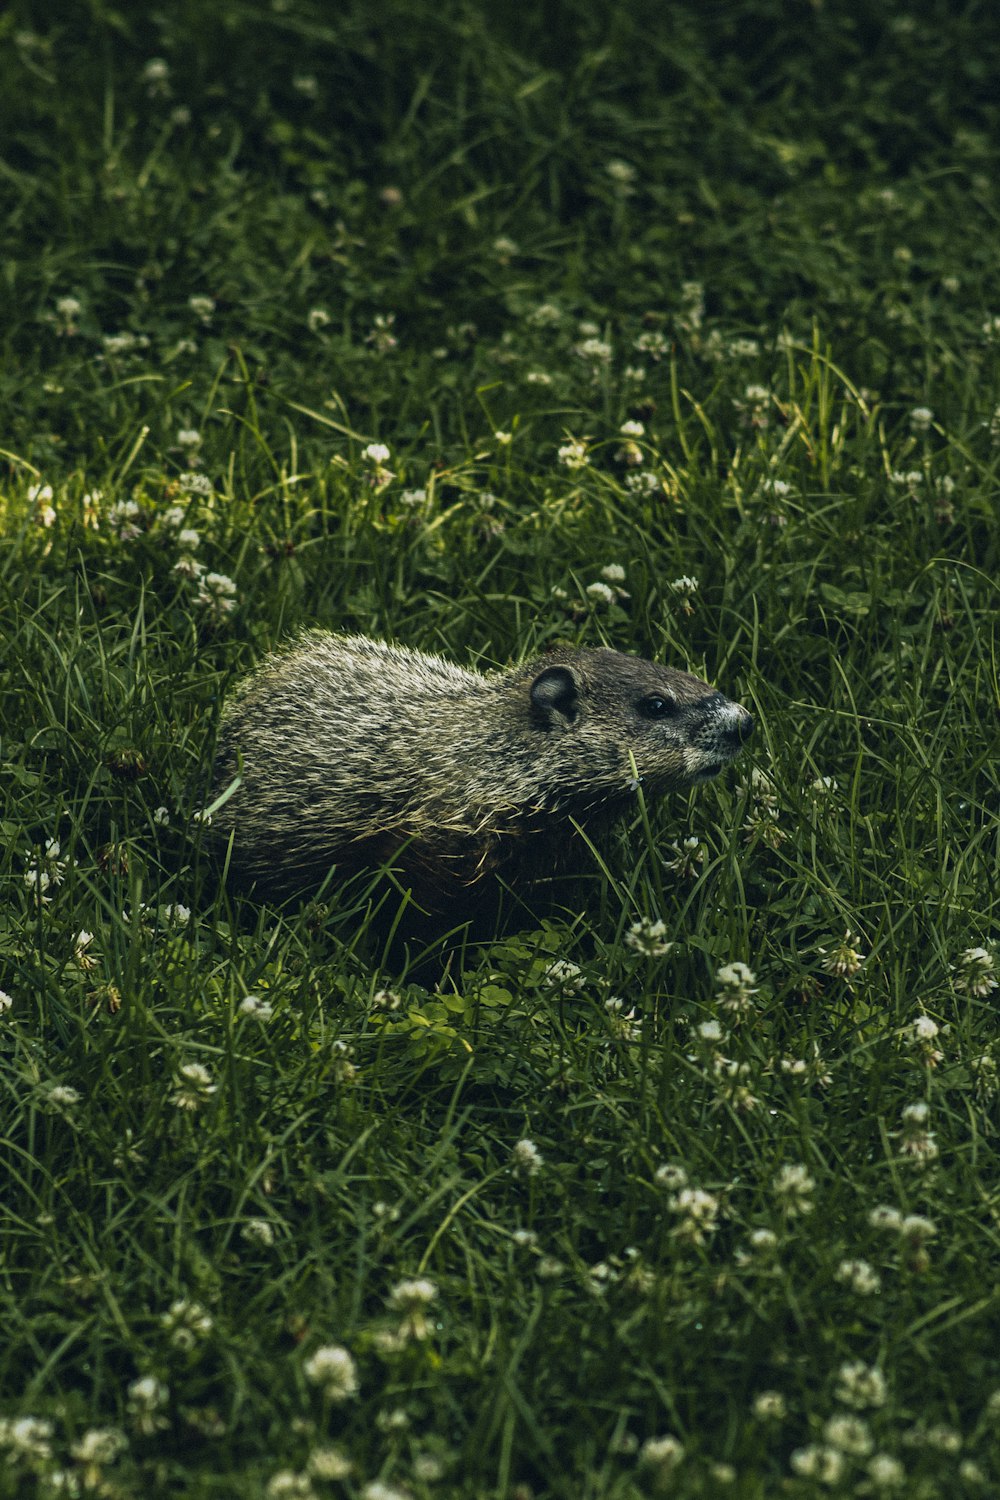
{"x": 724, "y": 730}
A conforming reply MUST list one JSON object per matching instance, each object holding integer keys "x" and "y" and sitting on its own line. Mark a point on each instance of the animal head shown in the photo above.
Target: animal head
{"x": 679, "y": 730}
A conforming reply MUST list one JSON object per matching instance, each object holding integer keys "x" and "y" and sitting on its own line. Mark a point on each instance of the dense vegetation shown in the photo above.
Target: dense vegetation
{"x": 479, "y": 328}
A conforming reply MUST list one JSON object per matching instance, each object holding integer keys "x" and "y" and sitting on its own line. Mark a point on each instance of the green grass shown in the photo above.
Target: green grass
{"x": 799, "y": 253}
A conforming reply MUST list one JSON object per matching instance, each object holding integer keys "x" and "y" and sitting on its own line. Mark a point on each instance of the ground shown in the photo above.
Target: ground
{"x": 665, "y": 327}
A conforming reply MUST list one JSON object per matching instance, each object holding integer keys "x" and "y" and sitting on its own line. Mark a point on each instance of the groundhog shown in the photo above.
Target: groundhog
{"x": 349, "y": 754}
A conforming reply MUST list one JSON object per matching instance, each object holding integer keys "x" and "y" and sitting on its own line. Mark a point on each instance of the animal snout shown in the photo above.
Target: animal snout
{"x": 744, "y": 726}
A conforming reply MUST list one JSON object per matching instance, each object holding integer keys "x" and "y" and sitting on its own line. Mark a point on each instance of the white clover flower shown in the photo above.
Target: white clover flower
{"x": 216, "y": 592}
{"x": 885, "y": 1217}
{"x": 258, "y": 1232}
{"x": 916, "y": 1142}
{"x": 412, "y": 1298}
{"x": 943, "y": 1438}
{"x": 175, "y": 914}
{"x": 769, "y": 1406}
{"x": 26, "y": 1437}
{"x": 332, "y": 1369}
{"x": 974, "y": 972}
{"x": 620, "y": 172}
{"x": 504, "y": 246}
{"x": 61, "y": 1096}
{"x": 845, "y": 960}
{"x": 118, "y": 343}
{"x": 648, "y": 938}
{"x": 545, "y": 314}
{"x": 202, "y": 307}
{"x": 186, "y": 1323}
{"x": 670, "y": 1176}
{"x": 381, "y": 338}
{"x": 860, "y": 1385}
{"x": 663, "y": 1454}
{"x": 698, "y": 1213}
{"x": 196, "y": 1087}
{"x": 188, "y": 538}
{"x": 597, "y": 350}
{"x": 653, "y": 343}
{"x": 526, "y": 1158}
{"x": 194, "y": 483}
{"x": 386, "y": 1000}
{"x": 329, "y": 1463}
{"x": 161, "y": 817}
{"x": 860, "y": 1276}
{"x": 376, "y": 453}
{"x": 613, "y": 573}
{"x": 100, "y": 1445}
{"x": 574, "y": 454}
{"x": 684, "y": 585}
{"x": 601, "y": 593}
{"x": 503, "y": 438}
{"x": 562, "y": 974}
{"x": 736, "y": 988}
{"x": 413, "y": 497}
{"x": 643, "y": 483}
{"x": 986, "y": 1074}
{"x": 188, "y": 437}
{"x": 123, "y": 517}
{"x": 146, "y": 1399}
{"x": 317, "y": 318}
{"x": 793, "y": 1187}
{"x": 285, "y": 1484}
{"x": 378, "y": 1489}
{"x": 816, "y": 1461}
{"x": 255, "y": 1008}
{"x": 689, "y": 856}
{"x": 710, "y": 1031}
{"x": 921, "y": 418}
{"x": 762, "y": 1241}
{"x": 886, "y": 1472}
{"x": 6, "y": 1001}
{"x": 848, "y": 1434}
{"x": 923, "y": 1029}
{"x": 68, "y": 308}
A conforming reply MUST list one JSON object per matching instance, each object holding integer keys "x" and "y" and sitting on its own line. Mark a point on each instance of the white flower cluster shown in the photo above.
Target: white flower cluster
{"x": 332, "y": 1369}
{"x": 648, "y": 938}
{"x": 526, "y": 1159}
{"x": 736, "y": 988}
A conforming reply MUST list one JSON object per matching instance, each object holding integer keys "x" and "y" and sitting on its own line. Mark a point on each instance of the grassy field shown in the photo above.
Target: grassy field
{"x": 480, "y": 328}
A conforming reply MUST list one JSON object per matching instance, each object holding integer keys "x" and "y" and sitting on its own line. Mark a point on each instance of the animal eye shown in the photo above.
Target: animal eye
{"x": 658, "y": 706}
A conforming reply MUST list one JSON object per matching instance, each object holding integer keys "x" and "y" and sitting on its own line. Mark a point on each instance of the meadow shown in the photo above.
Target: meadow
{"x": 668, "y": 327}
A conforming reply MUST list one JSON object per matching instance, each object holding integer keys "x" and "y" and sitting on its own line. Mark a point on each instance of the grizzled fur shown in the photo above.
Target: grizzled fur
{"x": 357, "y": 754}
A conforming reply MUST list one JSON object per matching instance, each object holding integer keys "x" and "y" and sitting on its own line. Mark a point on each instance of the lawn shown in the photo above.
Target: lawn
{"x": 483, "y": 329}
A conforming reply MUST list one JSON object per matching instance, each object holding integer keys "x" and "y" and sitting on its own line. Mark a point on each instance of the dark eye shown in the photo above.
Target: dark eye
{"x": 658, "y": 706}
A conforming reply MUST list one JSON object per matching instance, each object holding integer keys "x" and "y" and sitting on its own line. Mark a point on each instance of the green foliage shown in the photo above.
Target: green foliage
{"x": 484, "y": 328}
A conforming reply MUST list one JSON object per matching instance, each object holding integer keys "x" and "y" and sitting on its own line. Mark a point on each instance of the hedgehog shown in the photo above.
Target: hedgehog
{"x": 344, "y": 754}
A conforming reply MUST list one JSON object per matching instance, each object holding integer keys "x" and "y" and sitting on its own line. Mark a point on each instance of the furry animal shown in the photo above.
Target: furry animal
{"x": 350, "y": 754}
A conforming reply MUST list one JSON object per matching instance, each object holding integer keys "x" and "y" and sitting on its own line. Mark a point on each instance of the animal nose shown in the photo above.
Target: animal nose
{"x": 744, "y": 726}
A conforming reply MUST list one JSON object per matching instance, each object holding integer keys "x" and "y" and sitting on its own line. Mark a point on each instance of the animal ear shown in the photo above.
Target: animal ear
{"x": 555, "y": 697}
